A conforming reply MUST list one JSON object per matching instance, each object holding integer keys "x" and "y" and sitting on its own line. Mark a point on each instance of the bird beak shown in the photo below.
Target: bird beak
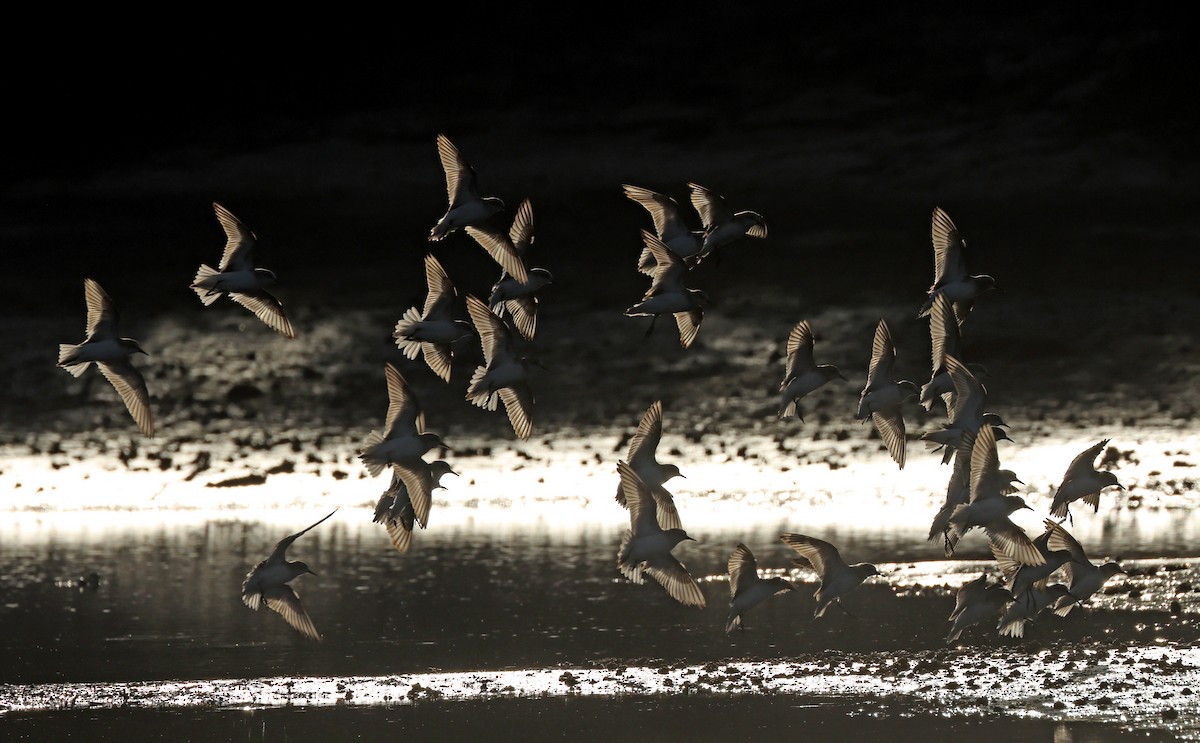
{"x": 1120, "y": 486}
{"x": 693, "y": 539}
{"x": 1019, "y": 482}
{"x": 1027, "y": 506}
{"x": 310, "y": 572}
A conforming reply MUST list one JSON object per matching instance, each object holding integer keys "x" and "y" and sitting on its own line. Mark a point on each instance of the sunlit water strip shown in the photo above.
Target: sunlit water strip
{"x": 1146, "y": 686}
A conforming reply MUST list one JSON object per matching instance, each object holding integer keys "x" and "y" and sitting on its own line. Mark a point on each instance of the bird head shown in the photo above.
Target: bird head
{"x": 1016, "y": 503}
{"x": 832, "y": 372}
{"x": 131, "y": 346}
{"x": 302, "y": 568}
{"x": 671, "y": 470}
{"x": 1110, "y": 569}
{"x": 1109, "y": 478}
{"x": 678, "y": 535}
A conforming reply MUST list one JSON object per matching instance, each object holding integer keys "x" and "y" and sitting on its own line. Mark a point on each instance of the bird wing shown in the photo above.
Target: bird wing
{"x": 968, "y": 594}
{"x": 649, "y": 432}
{"x": 985, "y": 466}
{"x": 441, "y": 289}
{"x": 520, "y": 233}
{"x": 943, "y": 333}
{"x": 239, "y": 241}
{"x": 1060, "y": 540}
{"x": 279, "y": 554}
{"x": 460, "y": 176}
{"x": 266, "y": 308}
{"x": 1008, "y": 564}
{"x": 404, "y": 414}
{"x": 664, "y": 210}
{"x": 518, "y": 403}
{"x": 948, "y": 248}
{"x": 493, "y": 333}
{"x": 799, "y": 351}
{"x": 524, "y": 315}
{"x": 101, "y": 312}
{"x": 823, "y": 556}
{"x": 969, "y": 396}
{"x": 131, "y": 387}
{"x": 438, "y": 358}
{"x": 669, "y": 267}
{"x": 417, "y": 479}
{"x": 743, "y": 570}
{"x": 673, "y": 576}
{"x": 1014, "y": 541}
{"x": 709, "y": 205}
{"x": 283, "y": 599}
{"x": 883, "y": 355}
{"x": 501, "y": 249}
{"x": 1083, "y": 463}
{"x": 689, "y": 325}
{"x": 642, "y": 516}
{"x": 890, "y": 425}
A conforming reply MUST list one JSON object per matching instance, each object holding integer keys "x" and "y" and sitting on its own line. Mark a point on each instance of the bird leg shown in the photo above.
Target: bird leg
{"x": 649, "y": 330}
{"x": 844, "y": 609}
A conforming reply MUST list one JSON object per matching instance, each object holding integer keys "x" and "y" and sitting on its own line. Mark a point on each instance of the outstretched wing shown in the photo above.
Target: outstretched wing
{"x": 239, "y": 241}
{"x": 460, "y": 176}
{"x": 501, "y": 249}
{"x": 266, "y": 308}
{"x": 649, "y": 432}
{"x": 822, "y": 555}
{"x": 130, "y": 385}
{"x": 799, "y": 351}
{"x": 101, "y": 313}
{"x": 948, "y": 245}
{"x": 883, "y": 356}
{"x": 284, "y": 600}
{"x": 493, "y": 333}
{"x": 709, "y": 205}
{"x": 743, "y": 570}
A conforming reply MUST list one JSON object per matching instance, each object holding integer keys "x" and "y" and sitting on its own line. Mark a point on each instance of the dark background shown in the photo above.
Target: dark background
{"x": 1060, "y": 139}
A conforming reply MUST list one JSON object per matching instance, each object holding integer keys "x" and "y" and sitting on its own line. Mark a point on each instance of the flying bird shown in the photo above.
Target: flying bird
{"x": 802, "y": 374}
{"x": 837, "y": 578}
{"x": 950, "y": 276}
{"x": 1084, "y": 578}
{"x": 398, "y": 509}
{"x": 882, "y": 397}
{"x": 988, "y": 508}
{"x": 642, "y": 458}
{"x": 104, "y": 347}
{"x": 669, "y": 225}
{"x": 269, "y": 580}
{"x": 966, "y": 411}
{"x": 976, "y": 602}
{"x": 746, "y": 589}
{"x": 237, "y": 276}
{"x": 504, "y": 375}
{"x": 1024, "y": 611}
{"x": 467, "y": 207}
{"x": 722, "y": 225}
{"x": 515, "y": 293}
{"x": 1021, "y": 579}
{"x": 403, "y": 440}
{"x": 945, "y": 340}
{"x": 646, "y": 547}
{"x": 433, "y": 330}
{"x": 668, "y": 295}
{"x": 1082, "y": 481}
{"x": 958, "y": 491}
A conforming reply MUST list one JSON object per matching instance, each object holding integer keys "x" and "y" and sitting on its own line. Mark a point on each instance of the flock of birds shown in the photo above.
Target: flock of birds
{"x": 979, "y": 495}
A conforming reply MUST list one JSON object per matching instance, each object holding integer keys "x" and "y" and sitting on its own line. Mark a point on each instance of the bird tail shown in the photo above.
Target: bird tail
{"x": 1064, "y": 605}
{"x": 67, "y": 355}
{"x": 632, "y": 571}
{"x": 204, "y": 284}
{"x": 1013, "y": 628}
{"x": 400, "y": 536}
{"x": 928, "y": 395}
{"x": 955, "y": 633}
{"x": 734, "y": 621}
{"x": 787, "y": 409}
{"x": 1059, "y": 508}
{"x": 404, "y": 328}
{"x": 941, "y": 523}
{"x": 958, "y": 521}
{"x": 369, "y": 456}
{"x": 480, "y": 395}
